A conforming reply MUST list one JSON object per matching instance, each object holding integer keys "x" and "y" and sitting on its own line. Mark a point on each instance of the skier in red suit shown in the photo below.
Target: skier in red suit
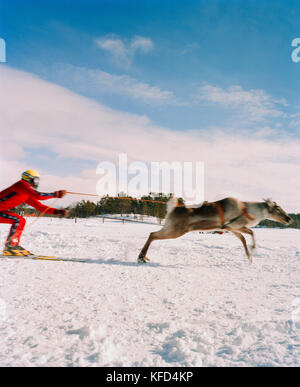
{"x": 24, "y": 191}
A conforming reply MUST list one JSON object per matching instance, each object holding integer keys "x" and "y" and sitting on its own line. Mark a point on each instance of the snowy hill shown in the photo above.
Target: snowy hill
{"x": 199, "y": 301}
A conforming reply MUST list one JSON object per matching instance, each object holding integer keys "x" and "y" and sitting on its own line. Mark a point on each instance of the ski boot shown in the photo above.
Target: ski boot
{"x": 15, "y": 251}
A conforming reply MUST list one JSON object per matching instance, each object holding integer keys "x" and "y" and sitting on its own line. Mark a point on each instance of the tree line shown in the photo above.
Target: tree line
{"x": 273, "y": 224}
{"x": 153, "y": 204}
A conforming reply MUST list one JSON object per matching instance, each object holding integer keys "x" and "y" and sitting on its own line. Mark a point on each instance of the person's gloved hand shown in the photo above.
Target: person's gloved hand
{"x": 60, "y": 194}
{"x": 62, "y": 213}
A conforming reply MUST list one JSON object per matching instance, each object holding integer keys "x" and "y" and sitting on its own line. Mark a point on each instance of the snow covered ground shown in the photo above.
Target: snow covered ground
{"x": 199, "y": 301}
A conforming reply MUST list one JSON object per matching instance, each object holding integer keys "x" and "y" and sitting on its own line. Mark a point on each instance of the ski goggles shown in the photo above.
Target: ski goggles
{"x": 35, "y": 181}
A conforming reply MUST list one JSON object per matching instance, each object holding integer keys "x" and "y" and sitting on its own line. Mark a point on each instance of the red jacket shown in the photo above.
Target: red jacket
{"x": 22, "y": 192}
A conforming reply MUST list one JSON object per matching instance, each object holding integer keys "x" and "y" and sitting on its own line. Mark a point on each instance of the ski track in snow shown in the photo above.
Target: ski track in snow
{"x": 198, "y": 302}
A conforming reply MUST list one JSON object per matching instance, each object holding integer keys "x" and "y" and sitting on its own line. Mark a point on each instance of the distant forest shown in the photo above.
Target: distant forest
{"x": 153, "y": 204}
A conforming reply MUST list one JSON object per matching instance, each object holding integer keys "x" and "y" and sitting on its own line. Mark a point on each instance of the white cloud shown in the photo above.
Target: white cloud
{"x": 256, "y": 105}
{"x": 295, "y": 120}
{"x": 139, "y": 43}
{"x": 38, "y": 114}
{"x": 114, "y": 46}
{"x": 123, "y": 50}
{"x": 99, "y": 82}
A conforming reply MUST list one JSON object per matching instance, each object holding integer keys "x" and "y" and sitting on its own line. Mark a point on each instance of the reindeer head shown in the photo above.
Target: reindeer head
{"x": 276, "y": 212}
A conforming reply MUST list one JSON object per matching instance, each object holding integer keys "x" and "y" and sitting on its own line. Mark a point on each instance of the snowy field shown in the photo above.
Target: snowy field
{"x": 199, "y": 301}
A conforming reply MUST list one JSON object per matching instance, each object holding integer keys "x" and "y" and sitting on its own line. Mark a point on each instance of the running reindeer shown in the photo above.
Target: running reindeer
{"x": 228, "y": 214}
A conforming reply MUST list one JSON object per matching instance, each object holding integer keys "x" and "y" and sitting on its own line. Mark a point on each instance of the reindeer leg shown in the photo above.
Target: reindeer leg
{"x": 161, "y": 234}
{"x": 250, "y": 232}
{"x": 142, "y": 256}
{"x": 243, "y": 240}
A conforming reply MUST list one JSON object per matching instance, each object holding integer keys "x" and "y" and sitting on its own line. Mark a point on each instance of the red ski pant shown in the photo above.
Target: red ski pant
{"x": 17, "y": 226}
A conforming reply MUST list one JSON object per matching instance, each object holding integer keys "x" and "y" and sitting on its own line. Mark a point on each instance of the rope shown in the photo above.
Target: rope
{"x": 80, "y": 193}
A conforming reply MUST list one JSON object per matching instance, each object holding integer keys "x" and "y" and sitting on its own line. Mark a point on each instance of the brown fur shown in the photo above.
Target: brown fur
{"x": 181, "y": 220}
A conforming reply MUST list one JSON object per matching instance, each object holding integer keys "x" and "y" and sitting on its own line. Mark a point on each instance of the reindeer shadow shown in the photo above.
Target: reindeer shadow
{"x": 118, "y": 262}
{"x": 113, "y": 261}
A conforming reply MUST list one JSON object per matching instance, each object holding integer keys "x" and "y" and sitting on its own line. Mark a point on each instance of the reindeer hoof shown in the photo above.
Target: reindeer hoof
{"x": 143, "y": 259}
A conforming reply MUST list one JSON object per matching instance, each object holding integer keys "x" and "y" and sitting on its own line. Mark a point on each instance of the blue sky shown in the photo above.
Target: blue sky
{"x": 215, "y": 68}
{"x": 222, "y": 43}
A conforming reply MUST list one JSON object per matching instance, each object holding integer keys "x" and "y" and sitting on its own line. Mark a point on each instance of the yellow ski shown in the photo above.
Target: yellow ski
{"x": 45, "y": 258}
